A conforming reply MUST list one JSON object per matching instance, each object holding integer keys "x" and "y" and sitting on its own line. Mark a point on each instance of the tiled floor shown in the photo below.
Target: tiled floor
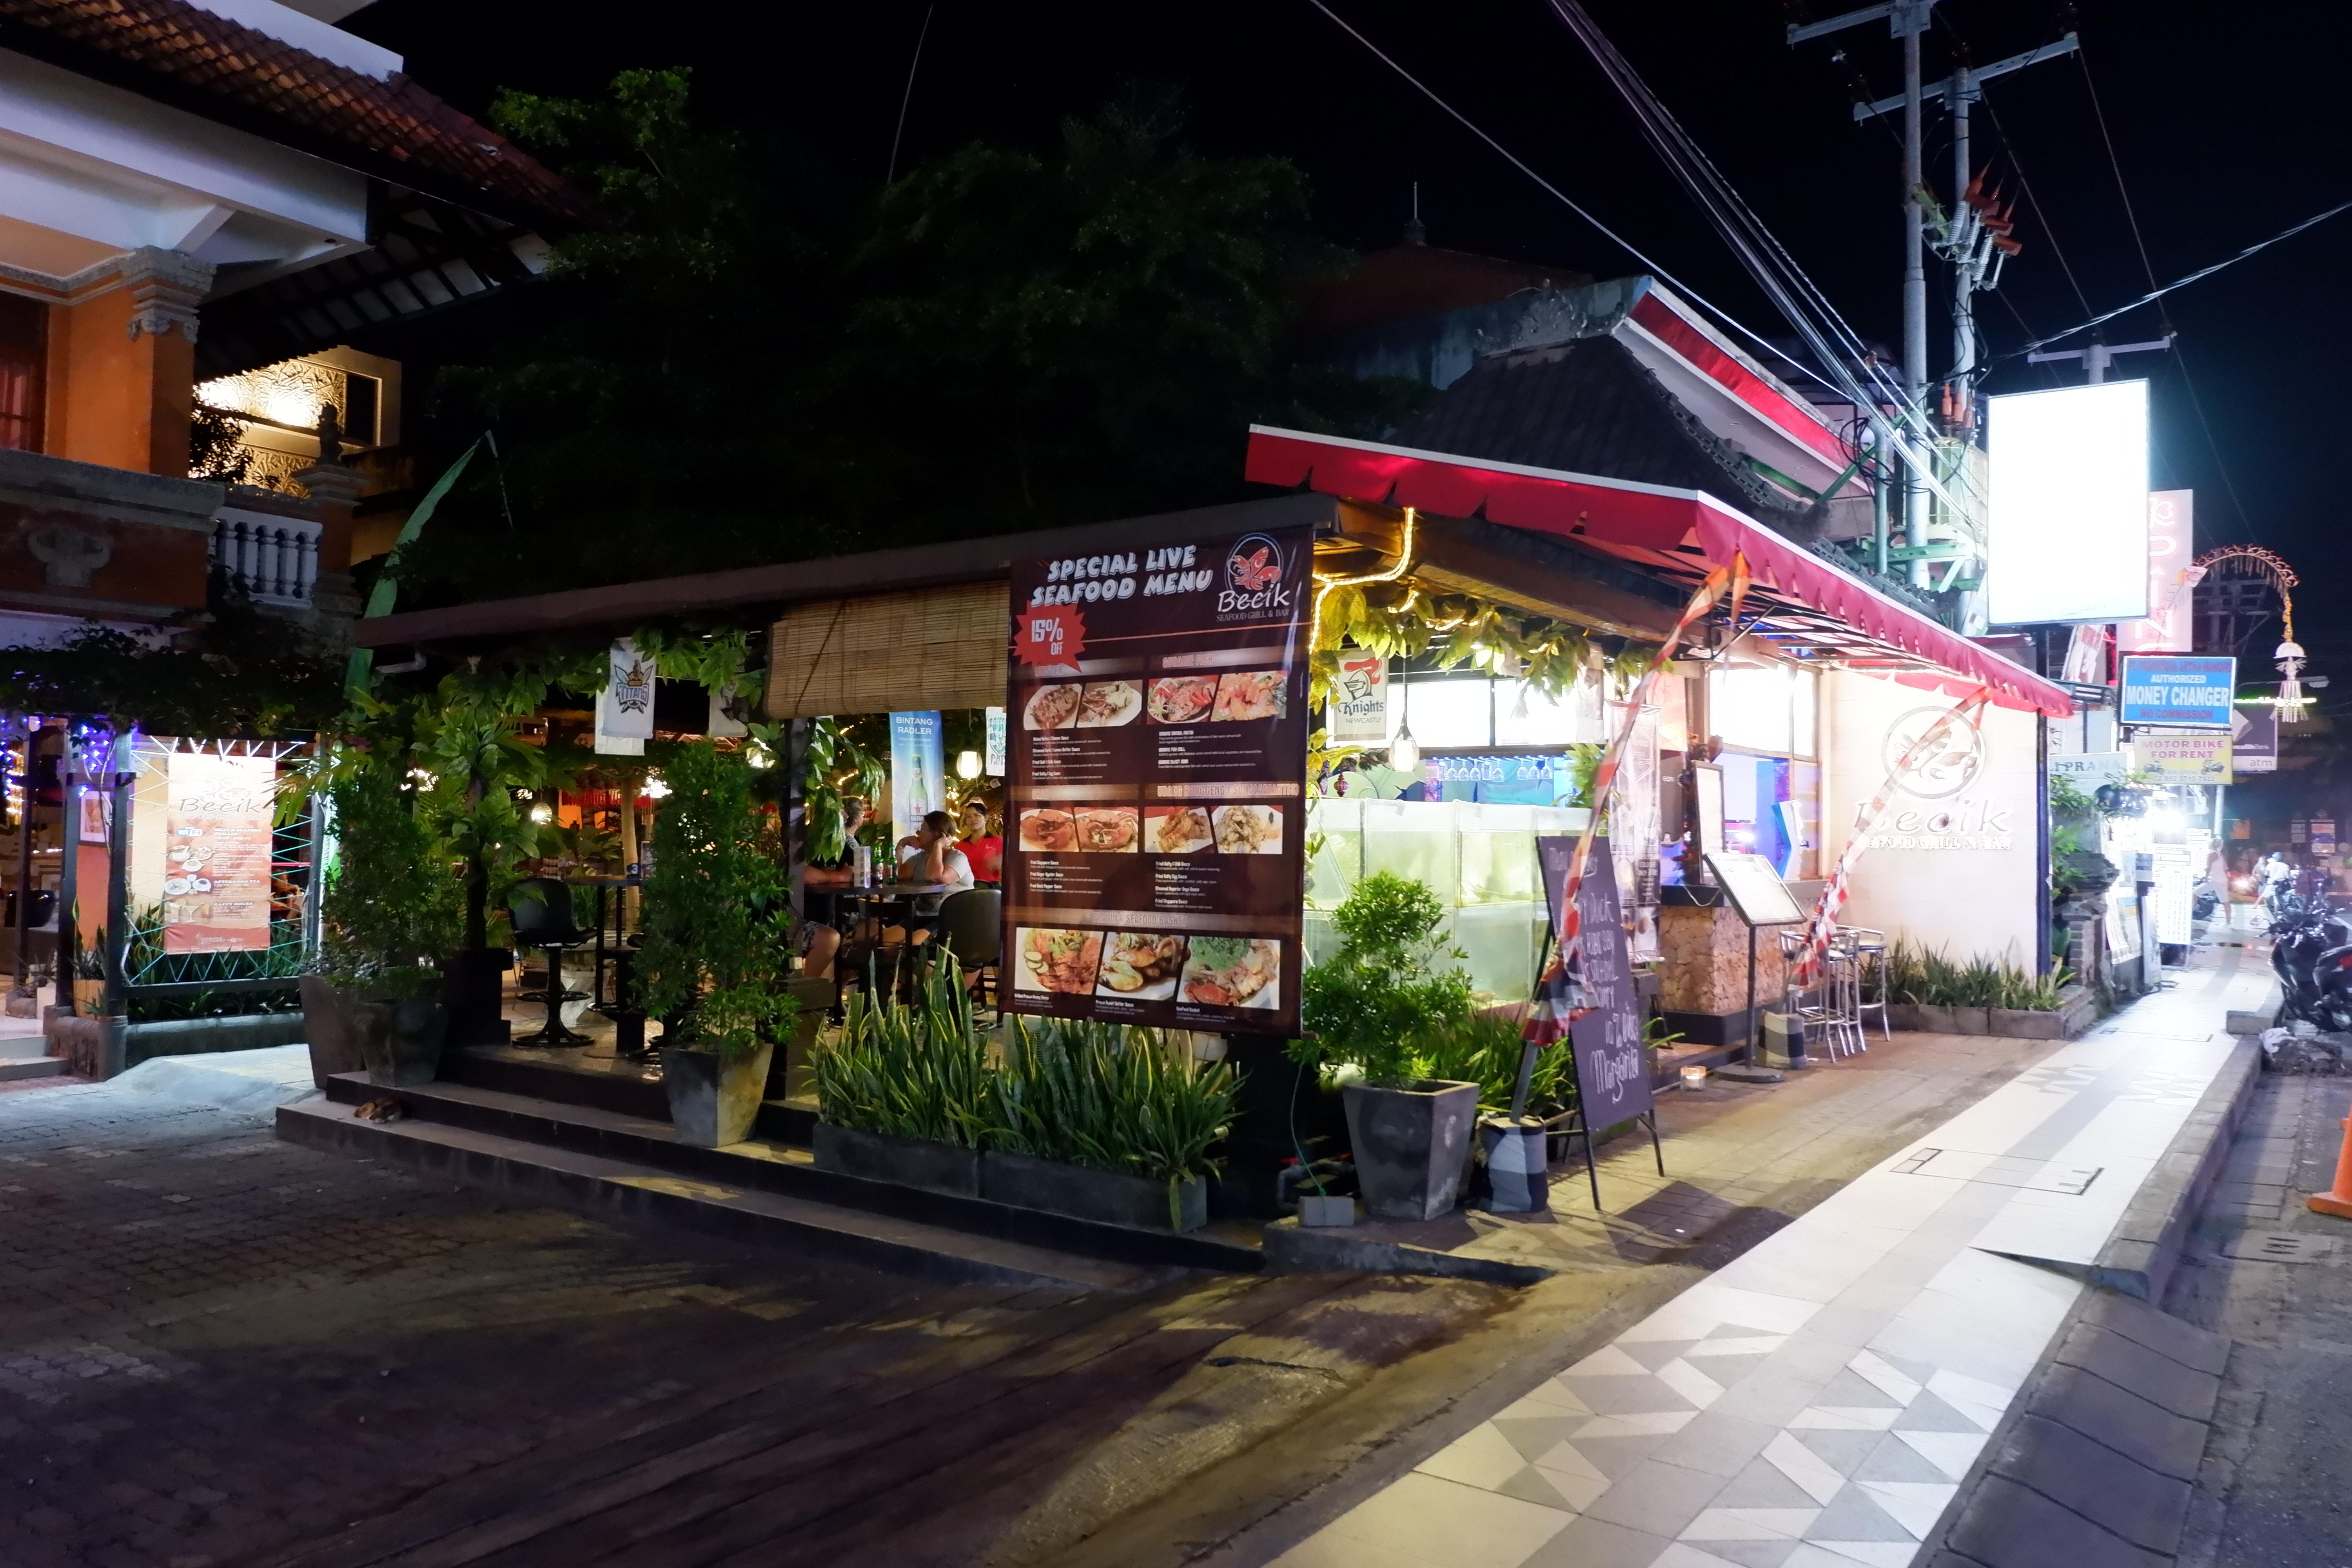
{"x": 1815, "y": 1403}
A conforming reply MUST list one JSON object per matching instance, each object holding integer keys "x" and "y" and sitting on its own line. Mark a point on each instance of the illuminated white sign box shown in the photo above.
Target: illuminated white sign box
{"x": 2066, "y": 538}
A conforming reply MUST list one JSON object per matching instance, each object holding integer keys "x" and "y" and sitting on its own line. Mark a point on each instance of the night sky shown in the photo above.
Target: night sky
{"x": 2225, "y": 122}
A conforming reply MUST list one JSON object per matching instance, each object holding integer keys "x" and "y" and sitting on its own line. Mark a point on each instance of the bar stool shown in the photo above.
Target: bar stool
{"x": 1870, "y": 954}
{"x": 540, "y": 909}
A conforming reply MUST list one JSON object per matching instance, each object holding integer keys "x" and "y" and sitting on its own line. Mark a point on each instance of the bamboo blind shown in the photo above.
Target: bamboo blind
{"x": 933, "y": 648}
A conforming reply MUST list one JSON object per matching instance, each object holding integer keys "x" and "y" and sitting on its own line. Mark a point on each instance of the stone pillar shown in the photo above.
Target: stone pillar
{"x": 334, "y": 491}
{"x": 122, "y": 366}
{"x": 1703, "y": 968}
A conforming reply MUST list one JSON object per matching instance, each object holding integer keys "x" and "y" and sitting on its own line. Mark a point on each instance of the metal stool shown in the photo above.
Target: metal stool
{"x": 1870, "y": 954}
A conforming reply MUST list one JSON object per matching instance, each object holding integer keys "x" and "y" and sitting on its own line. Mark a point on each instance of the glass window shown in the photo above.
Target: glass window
{"x": 1750, "y": 707}
{"x": 1807, "y": 692}
{"x": 1525, "y": 717}
{"x": 1444, "y": 710}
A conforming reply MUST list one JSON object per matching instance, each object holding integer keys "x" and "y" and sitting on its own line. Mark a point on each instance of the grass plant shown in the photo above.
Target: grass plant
{"x": 1928, "y": 978}
{"x": 919, "y": 1071}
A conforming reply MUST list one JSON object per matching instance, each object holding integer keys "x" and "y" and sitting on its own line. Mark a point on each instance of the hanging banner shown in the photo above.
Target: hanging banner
{"x": 2088, "y": 771}
{"x": 993, "y": 765}
{"x": 1613, "y": 1070}
{"x": 918, "y": 774}
{"x": 2193, "y": 758}
{"x": 1633, "y": 827}
{"x": 217, "y": 867}
{"x": 2171, "y": 546}
{"x": 1359, "y": 714}
{"x": 625, "y": 708}
{"x": 1155, "y": 805}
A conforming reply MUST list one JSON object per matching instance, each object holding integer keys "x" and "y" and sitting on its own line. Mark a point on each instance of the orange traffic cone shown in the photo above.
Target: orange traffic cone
{"x": 2338, "y": 1202}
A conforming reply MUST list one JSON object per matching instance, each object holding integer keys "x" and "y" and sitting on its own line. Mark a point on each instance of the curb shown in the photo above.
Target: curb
{"x": 2095, "y": 1464}
{"x": 1294, "y": 1248}
{"x": 2140, "y": 1258}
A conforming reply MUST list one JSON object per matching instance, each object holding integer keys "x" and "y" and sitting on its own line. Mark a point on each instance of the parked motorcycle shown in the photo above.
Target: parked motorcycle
{"x": 2311, "y": 951}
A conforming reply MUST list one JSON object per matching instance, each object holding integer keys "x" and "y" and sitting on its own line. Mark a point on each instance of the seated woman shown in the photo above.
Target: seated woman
{"x": 930, "y": 855}
{"x": 984, "y": 849}
{"x": 828, "y": 917}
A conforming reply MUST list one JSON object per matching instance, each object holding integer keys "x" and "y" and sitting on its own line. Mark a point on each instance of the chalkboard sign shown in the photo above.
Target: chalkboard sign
{"x": 1613, "y": 1072}
{"x": 1762, "y": 898}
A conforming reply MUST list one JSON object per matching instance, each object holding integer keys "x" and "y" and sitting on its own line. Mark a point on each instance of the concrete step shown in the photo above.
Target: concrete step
{"x": 786, "y": 1171}
{"x": 572, "y": 1078}
{"x": 639, "y": 1194}
{"x": 15, "y": 1068}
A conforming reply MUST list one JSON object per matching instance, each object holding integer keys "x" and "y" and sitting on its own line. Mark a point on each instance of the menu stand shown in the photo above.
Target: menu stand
{"x": 1758, "y": 898}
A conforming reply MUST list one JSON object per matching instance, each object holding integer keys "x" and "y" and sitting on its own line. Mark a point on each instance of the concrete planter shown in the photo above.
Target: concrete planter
{"x": 327, "y": 1026}
{"x": 1410, "y": 1145}
{"x": 2026, "y": 1024}
{"x": 1111, "y": 1196}
{"x": 1972, "y": 1020}
{"x": 401, "y": 1041}
{"x": 910, "y": 1162}
{"x": 714, "y": 1098}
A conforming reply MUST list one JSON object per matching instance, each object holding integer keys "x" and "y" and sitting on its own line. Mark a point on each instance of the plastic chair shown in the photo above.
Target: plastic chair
{"x": 540, "y": 909}
{"x": 972, "y": 926}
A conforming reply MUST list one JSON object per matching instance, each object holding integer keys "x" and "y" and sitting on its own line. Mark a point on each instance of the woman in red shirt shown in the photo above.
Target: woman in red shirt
{"x": 984, "y": 849}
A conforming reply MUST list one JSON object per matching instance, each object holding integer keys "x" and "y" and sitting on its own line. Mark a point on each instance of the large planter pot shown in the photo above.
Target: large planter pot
{"x": 89, "y": 999}
{"x": 788, "y": 1071}
{"x": 1904, "y": 1017}
{"x": 472, "y": 984}
{"x": 401, "y": 1041}
{"x": 1935, "y": 1019}
{"x": 329, "y": 1027}
{"x": 2026, "y": 1024}
{"x": 1972, "y": 1020}
{"x": 1410, "y": 1144}
{"x": 1111, "y": 1196}
{"x": 910, "y": 1162}
{"x": 714, "y": 1098}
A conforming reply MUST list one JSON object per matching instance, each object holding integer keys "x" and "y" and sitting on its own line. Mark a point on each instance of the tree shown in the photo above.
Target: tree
{"x": 736, "y": 369}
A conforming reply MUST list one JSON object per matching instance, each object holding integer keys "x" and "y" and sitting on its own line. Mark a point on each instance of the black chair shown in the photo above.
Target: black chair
{"x": 540, "y": 909}
{"x": 971, "y": 927}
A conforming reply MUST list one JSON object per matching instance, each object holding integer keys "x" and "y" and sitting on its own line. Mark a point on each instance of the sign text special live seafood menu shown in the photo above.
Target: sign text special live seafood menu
{"x": 1155, "y": 809}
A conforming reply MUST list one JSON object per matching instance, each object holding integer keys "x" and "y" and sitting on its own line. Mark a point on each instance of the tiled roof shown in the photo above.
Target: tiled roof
{"x": 177, "y": 54}
{"x": 1589, "y": 406}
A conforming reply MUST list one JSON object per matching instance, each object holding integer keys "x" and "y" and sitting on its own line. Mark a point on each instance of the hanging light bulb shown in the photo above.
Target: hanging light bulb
{"x": 2291, "y": 699}
{"x": 542, "y": 812}
{"x": 967, "y": 765}
{"x": 656, "y": 787}
{"x": 1404, "y": 752}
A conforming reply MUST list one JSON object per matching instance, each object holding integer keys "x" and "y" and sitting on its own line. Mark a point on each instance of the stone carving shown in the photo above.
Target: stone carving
{"x": 165, "y": 287}
{"x": 67, "y": 555}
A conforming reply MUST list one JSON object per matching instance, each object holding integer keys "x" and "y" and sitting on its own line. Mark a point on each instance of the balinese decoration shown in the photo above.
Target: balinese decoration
{"x": 1560, "y": 995}
{"x": 2253, "y": 560}
{"x": 1968, "y": 710}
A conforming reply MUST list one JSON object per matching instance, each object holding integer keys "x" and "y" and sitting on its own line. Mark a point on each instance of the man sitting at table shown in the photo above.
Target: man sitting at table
{"x": 930, "y": 856}
{"x": 828, "y": 917}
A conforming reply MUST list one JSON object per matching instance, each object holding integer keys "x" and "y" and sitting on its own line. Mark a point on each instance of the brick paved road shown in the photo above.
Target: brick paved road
{"x": 217, "y": 1348}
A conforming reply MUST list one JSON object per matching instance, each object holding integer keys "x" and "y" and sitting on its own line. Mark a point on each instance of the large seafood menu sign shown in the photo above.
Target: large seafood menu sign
{"x": 1155, "y": 809}
{"x": 216, "y": 874}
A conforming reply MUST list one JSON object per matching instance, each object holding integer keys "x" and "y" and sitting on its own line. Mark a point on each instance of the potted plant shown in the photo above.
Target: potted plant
{"x": 1377, "y": 1009}
{"x": 392, "y": 912}
{"x": 90, "y": 977}
{"x": 1106, "y": 1122}
{"x": 712, "y": 961}
{"x": 904, "y": 1094}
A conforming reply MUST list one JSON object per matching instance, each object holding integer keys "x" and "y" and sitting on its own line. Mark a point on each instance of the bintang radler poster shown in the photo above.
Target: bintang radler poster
{"x": 1153, "y": 849}
{"x": 217, "y": 859}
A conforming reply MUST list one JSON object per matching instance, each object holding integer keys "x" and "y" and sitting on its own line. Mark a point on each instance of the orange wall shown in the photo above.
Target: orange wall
{"x": 115, "y": 399}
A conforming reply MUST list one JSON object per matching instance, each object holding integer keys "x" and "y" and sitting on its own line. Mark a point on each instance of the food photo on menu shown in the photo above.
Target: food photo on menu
{"x": 1053, "y": 708}
{"x": 1234, "y": 972}
{"x": 1176, "y": 831}
{"x": 1251, "y": 694}
{"x": 1142, "y": 965}
{"x": 1249, "y": 829}
{"x": 1106, "y": 704}
{"x": 1108, "y": 830}
{"x": 1055, "y": 959}
{"x": 1046, "y": 831}
{"x": 1182, "y": 698}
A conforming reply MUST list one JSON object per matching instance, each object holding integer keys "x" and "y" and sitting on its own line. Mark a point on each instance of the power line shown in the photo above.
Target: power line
{"x": 1609, "y": 234}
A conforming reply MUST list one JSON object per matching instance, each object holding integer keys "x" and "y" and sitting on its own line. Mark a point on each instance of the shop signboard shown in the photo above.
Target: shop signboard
{"x": 2185, "y": 757}
{"x": 1359, "y": 714}
{"x": 2066, "y": 518}
{"x": 994, "y": 764}
{"x": 1156, "y": 794}
{"x": 2170, "y": 546}
{"x": 2089, "y": 770}
{"x": 918, "y": 774}
{"x": 2179, "y": 690}
{"x": 1613, "y": 1070}
{"x": 2323, "y": 836}
{"x": 216, "y": 864}
{"x": 2173, "y": 893}
{"x": 2253, "y": 739}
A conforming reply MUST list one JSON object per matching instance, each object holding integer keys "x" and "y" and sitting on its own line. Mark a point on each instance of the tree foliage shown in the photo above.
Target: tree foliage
{"x": 737, "y": 366}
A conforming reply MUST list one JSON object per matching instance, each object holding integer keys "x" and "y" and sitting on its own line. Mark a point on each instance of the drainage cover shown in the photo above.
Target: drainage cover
{"x": 2281, "y": 1247}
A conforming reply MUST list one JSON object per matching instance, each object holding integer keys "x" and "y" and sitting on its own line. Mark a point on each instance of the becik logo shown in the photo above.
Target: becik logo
{"x": 1253, "y": 568}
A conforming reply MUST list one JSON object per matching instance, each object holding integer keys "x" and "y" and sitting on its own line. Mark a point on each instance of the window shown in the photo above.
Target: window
{"x": 1807, "y": 692}
{"x": 1444, "y": 710}
{"x": 1751, "y": 707}
{"x": 23, "y": 347}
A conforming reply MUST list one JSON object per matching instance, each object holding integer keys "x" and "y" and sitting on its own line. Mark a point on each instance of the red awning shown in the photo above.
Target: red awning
{"x": 1681, "y": 532}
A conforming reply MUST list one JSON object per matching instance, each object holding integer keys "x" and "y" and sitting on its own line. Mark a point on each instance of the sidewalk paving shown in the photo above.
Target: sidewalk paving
{"x": 1816, "y": 1401}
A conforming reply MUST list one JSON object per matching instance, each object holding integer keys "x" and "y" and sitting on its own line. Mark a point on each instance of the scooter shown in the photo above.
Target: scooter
{"x": 2311, "y": 952}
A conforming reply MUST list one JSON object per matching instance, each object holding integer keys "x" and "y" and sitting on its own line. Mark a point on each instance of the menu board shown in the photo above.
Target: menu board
{"x": 216, "y": 871}
{"x": 1613, "y": 1070}
{"x": 1756, "y": 888}
{"x": 1155, "y": 814}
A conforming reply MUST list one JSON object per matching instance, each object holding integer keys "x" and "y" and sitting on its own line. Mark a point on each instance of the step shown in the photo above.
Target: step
{"x": 648, "y": 1195}
{"x": 565, "y": 1076}
{"x": 12, "y": 1069}
{"x": 788, "y": 1171}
